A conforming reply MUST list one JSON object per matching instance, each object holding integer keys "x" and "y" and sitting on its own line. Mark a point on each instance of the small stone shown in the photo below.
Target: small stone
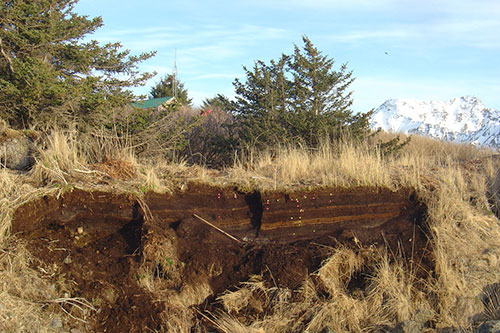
{"x": 80, "y": 230}
{"x": 408, "y": 326}
{"x": 451, "y": 330}
{"x": 491, "y": 326}
{"x": 56, "y": 323}
{"x": 68, "y": 260}
{"x": 422, "y": 316}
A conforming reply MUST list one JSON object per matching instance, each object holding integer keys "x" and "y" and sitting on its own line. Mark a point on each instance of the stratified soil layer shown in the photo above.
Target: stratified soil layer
{"x": 222, "y": 236}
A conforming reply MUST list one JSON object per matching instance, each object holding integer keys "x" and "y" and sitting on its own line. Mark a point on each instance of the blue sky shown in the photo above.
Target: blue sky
{"x": 436, "y": 49}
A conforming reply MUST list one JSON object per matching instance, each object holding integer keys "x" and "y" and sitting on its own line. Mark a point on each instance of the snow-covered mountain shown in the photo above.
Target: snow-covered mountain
{"x": 463, "y": 119}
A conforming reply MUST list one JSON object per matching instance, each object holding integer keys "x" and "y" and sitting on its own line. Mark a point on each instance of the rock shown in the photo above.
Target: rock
{"x": 408, "y": 326}
{"x": 327, "y": 329}
{"x": 493, "y": 194}
{"x": 16, "y": 152}
{"x": 451, "y": 330}
{"x": 422, "y": 316}
{"x": 56, "y": 323}
{"x": 491, "y": 326}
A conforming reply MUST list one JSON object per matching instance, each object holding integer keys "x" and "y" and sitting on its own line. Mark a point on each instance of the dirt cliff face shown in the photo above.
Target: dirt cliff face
{"x": 215, "y": 237}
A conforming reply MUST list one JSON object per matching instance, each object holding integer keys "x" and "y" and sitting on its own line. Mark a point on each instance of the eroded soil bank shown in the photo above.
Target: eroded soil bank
{"x": 109, "y": 245}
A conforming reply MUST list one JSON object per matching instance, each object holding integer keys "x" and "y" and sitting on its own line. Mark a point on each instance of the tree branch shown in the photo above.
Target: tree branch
{"x": 6, "y": 56}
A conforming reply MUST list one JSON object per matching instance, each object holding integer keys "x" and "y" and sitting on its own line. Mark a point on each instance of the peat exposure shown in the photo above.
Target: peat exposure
{"x": 200, "y": 242}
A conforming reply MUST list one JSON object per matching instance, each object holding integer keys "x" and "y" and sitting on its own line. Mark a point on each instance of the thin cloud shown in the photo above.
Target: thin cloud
{"x": 475, "y": 32}
{"x": 438, "y": 34}
{"x": 329, "y": 4}
{"x": 372, "y": 35}
{"x": 371, "y": 91}
{"x": 187, "y": 37}
{"x": 215, "y": 76}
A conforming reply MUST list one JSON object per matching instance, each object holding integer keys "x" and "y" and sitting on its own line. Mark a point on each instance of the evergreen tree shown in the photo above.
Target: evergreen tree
{"x": 321, "y": 97}
{"x": 262, "y": 102}
{"x": 299, "y": 98}
{"x": 165, "y": 88}
{"x": 219, "y": 102}
{"x": 47, "y": 71}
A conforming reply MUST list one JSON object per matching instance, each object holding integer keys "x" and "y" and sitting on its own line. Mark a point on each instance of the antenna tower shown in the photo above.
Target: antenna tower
{"x": 174, "y": 76}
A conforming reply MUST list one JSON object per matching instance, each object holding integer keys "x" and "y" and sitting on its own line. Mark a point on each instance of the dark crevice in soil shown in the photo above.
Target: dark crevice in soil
{"x": 132, "y": 231}
{"x": 254, "y": 202}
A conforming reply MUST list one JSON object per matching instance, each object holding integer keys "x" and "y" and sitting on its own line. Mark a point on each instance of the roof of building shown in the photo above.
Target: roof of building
{"x": 152, "y": 103}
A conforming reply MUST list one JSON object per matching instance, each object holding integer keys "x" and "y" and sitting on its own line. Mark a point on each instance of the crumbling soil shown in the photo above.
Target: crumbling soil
{"x": 99, "y": 240}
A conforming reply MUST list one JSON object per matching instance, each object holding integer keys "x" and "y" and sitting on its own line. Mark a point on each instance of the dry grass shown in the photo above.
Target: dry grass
{"x": 25, "y": 294}
{"x": 325, "y": 300}
{"x": 466, "y": 239}
{"x": 436, "y": 152}
{"x": 347, "y": 165}
{"x": 465, "y": 235}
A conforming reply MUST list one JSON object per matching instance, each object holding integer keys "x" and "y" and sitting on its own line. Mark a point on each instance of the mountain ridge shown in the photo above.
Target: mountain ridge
{"x": 464, "y": 119}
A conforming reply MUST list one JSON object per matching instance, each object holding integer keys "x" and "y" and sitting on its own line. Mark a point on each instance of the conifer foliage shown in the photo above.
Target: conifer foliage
{"x": 47, "y": 70}
{"x": 299, "y": 98}
{"x": 170, "y": 86}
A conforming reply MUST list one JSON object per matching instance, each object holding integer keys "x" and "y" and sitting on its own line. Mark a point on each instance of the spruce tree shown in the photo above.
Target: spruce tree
{"x": 47, "y": 71}
{"x": 165, "y": 88}
{"x": 321, "y": 97}
{"x": 299, "y": 98}
{"x": 261, "y": 102}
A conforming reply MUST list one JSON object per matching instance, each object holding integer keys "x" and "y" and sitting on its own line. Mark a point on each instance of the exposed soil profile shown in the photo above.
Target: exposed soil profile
{"x": 108, "y": 245}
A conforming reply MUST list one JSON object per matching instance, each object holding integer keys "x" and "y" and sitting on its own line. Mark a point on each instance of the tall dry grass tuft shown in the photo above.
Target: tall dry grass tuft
{"x": 25, "y": 295}
{"x": 396, "y": 291}
{"x": 346, "y": 163}
{"x": 58, "y": 160}
{"x": 328, "y": 300}
{"x": 253, "y": 293}
{"x": 8, "y": 185}
{"x": 254, "y": 307}
{"x": 337, "y": 270}
{"x": 466, "y": 240}
{"x": 102, "y": 158}
{"x": 341, "y": 164}
{"x": 435, "y": 152}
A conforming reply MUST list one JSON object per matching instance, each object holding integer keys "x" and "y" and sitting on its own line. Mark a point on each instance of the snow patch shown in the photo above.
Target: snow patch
{"x": 464, "y": 119}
